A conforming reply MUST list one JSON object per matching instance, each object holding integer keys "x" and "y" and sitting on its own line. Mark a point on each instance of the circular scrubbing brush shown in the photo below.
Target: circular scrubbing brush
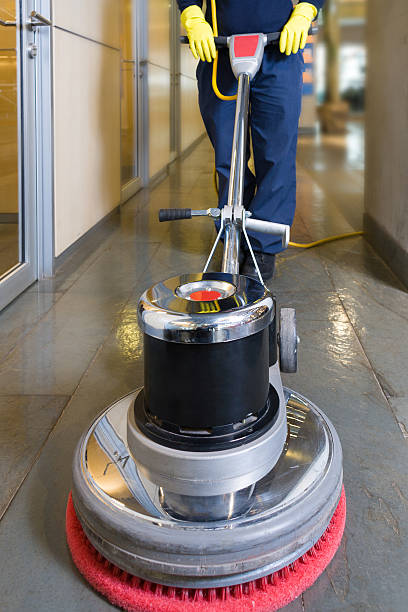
{"x": 263, "y": 595}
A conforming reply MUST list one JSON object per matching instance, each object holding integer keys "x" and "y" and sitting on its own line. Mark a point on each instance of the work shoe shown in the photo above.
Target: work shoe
{"x": 266, "y": 265}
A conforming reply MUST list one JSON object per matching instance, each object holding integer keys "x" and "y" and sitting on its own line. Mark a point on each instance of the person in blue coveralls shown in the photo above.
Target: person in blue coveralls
{"x": 275, "y": 104}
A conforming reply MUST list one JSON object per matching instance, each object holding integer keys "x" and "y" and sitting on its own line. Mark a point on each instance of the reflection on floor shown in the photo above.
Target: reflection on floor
{"x": 71, "y": 346}
{"x": 9, "y": 254}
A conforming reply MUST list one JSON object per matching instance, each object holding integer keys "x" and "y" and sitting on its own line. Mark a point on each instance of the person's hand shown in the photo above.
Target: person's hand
{"x": 294, "y": 34}
{"x": 199, "y": 33}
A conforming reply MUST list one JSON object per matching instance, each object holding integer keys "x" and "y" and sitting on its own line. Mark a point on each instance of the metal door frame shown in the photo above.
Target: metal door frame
{"x": 22, "y": 275}
{"x": 45, "y": 143}
{"x": 142, "y": 33}
{"x": 175, "y": 69}
{"x": 133, "y": 185}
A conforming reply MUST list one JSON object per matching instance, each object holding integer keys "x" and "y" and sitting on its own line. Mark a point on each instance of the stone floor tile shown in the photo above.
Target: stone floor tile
{"x": 18, "y": 319}
{"x": 26, "y": 421}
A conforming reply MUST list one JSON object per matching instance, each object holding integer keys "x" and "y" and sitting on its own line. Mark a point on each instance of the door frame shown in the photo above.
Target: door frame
{"x": 142, "y": 34}
{"x": 175, "y": 59}
{"x": 140, "y": 15}
{"x": 23, "y": 274}
{"x": 45, "y": 144}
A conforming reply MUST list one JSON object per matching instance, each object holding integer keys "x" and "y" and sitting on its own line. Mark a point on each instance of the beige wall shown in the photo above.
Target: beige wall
{"x": 87, "y": 42}
{"x": 159, "y": 85}
{"x": 191, "y": 123}
{"x": 159, "y": 90}
{"x": 86, "y": 115}
{"x": 387, "y": 128}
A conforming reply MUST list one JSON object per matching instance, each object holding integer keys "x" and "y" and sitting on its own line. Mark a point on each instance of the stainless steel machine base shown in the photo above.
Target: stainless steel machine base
{"x": 125, "y": 516}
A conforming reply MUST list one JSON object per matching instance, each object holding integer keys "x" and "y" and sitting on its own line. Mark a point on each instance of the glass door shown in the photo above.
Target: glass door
{"x": 18, "y": 252}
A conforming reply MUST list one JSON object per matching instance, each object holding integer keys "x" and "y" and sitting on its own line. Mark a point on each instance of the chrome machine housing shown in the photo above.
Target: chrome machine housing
{"x": 238, "y": 307}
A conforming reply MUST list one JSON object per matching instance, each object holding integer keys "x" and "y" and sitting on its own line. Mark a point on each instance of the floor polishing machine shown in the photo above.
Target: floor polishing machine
{"x": 213, "y": 486}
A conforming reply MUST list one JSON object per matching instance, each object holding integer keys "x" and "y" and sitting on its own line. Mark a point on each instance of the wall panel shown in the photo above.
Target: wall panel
{"x": 96, "y": 19}
{"x": 188, "y": 64}
{"x": 159, "y": 33}
{"x": 86, "y": 135}
{"x": 192, "y": 126}
{"x": 191, "y": 122}
{"x": 386, "y": 185}
{"x": 159, "y": 118}
{"x": 159, "y": 85}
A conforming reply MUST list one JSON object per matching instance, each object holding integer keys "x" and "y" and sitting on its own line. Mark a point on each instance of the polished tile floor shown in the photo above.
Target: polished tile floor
{"x": 71, "y": 345}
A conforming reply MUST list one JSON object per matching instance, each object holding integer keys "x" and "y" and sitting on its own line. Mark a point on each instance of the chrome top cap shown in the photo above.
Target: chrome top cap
{"x": 205, "y": 308}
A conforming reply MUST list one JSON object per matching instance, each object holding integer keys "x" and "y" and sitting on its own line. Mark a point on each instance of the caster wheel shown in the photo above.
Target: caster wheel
{"x": 288, "y": 340}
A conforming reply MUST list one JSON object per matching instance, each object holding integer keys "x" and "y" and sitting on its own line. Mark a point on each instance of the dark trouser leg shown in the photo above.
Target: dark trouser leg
{"x": 276, "y": 93}
{"x": 218, "y": 116}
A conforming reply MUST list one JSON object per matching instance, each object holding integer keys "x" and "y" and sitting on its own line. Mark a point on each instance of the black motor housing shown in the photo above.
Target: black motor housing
{"x": 207, "y": 370}
{"x": 202, "y": 386}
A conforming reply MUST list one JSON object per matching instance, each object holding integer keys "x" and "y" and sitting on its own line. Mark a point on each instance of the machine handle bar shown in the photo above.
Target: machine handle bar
{"x": 173, "y": 214}
{"x": 269, "y": 227}
{"x": 222, "y": 41}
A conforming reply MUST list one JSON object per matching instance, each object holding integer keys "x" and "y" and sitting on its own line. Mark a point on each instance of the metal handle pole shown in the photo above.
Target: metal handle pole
{"x": 236, "y": 183}
{"x": 232, "y": 238}
{"x": 269, "y": 227}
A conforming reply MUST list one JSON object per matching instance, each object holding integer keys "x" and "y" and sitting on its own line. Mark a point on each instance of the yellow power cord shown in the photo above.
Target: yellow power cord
{"x": 221, "y": 96}
{"x": 307, "y": 245}
{"x": 215, "y": 63}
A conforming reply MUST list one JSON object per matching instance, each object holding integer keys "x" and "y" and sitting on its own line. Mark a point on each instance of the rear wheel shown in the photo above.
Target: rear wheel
{"x": 288, "y": 340}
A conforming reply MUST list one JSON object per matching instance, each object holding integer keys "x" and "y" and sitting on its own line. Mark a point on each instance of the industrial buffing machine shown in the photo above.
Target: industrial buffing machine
{"x": 213, "y": 486}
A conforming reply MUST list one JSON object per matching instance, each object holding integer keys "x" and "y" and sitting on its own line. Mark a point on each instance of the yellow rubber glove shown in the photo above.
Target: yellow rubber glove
{"x": 294, "y": 34}
{"x": 199, "y": 33}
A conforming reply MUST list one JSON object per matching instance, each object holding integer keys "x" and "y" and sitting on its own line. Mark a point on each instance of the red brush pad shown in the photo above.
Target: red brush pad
{"x": 263, "y": 595}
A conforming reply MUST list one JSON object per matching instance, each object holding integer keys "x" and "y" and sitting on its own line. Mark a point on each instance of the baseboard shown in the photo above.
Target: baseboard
{"x": 307, "y": 130}
{"x": 8, "y": 217}
{"x": 387, "y": 247}
{"x": 91, "y": 239}
{"x": 192, "y": 146}
{"x": 130, "y": 189}
{"x": 158, "y": 177}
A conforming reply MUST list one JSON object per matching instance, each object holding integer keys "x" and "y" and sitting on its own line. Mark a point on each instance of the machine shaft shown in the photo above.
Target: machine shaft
{"x": 232, "y": 240}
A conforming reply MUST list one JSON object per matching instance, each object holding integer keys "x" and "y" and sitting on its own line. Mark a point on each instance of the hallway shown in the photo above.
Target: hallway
{"x": 69, "y": 346}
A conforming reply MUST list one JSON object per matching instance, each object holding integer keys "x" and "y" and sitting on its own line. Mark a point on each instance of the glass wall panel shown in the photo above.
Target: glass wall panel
{"x": 9, "y": 142}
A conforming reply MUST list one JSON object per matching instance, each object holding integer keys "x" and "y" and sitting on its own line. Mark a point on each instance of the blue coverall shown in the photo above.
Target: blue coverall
{"x": 275, "y": 104}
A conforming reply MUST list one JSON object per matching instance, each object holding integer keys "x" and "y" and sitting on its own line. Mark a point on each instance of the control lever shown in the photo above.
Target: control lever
{"x": 174, "y": 214}
{"x": 269, "y": 227}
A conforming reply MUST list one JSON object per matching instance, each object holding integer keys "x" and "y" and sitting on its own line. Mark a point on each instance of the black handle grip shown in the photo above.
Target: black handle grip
{"x": 272, "y": 37}
{"x": 220, "y": 41}
{"x": 173, "y": 214}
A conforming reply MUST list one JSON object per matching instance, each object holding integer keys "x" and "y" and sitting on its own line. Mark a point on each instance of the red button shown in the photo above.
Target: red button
{"x": 245, "y": 46}
{"x": 205, "y": 296}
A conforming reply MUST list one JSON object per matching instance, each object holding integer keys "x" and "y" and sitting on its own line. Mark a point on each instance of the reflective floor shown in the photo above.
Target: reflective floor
{"x": 71, "y": 345}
